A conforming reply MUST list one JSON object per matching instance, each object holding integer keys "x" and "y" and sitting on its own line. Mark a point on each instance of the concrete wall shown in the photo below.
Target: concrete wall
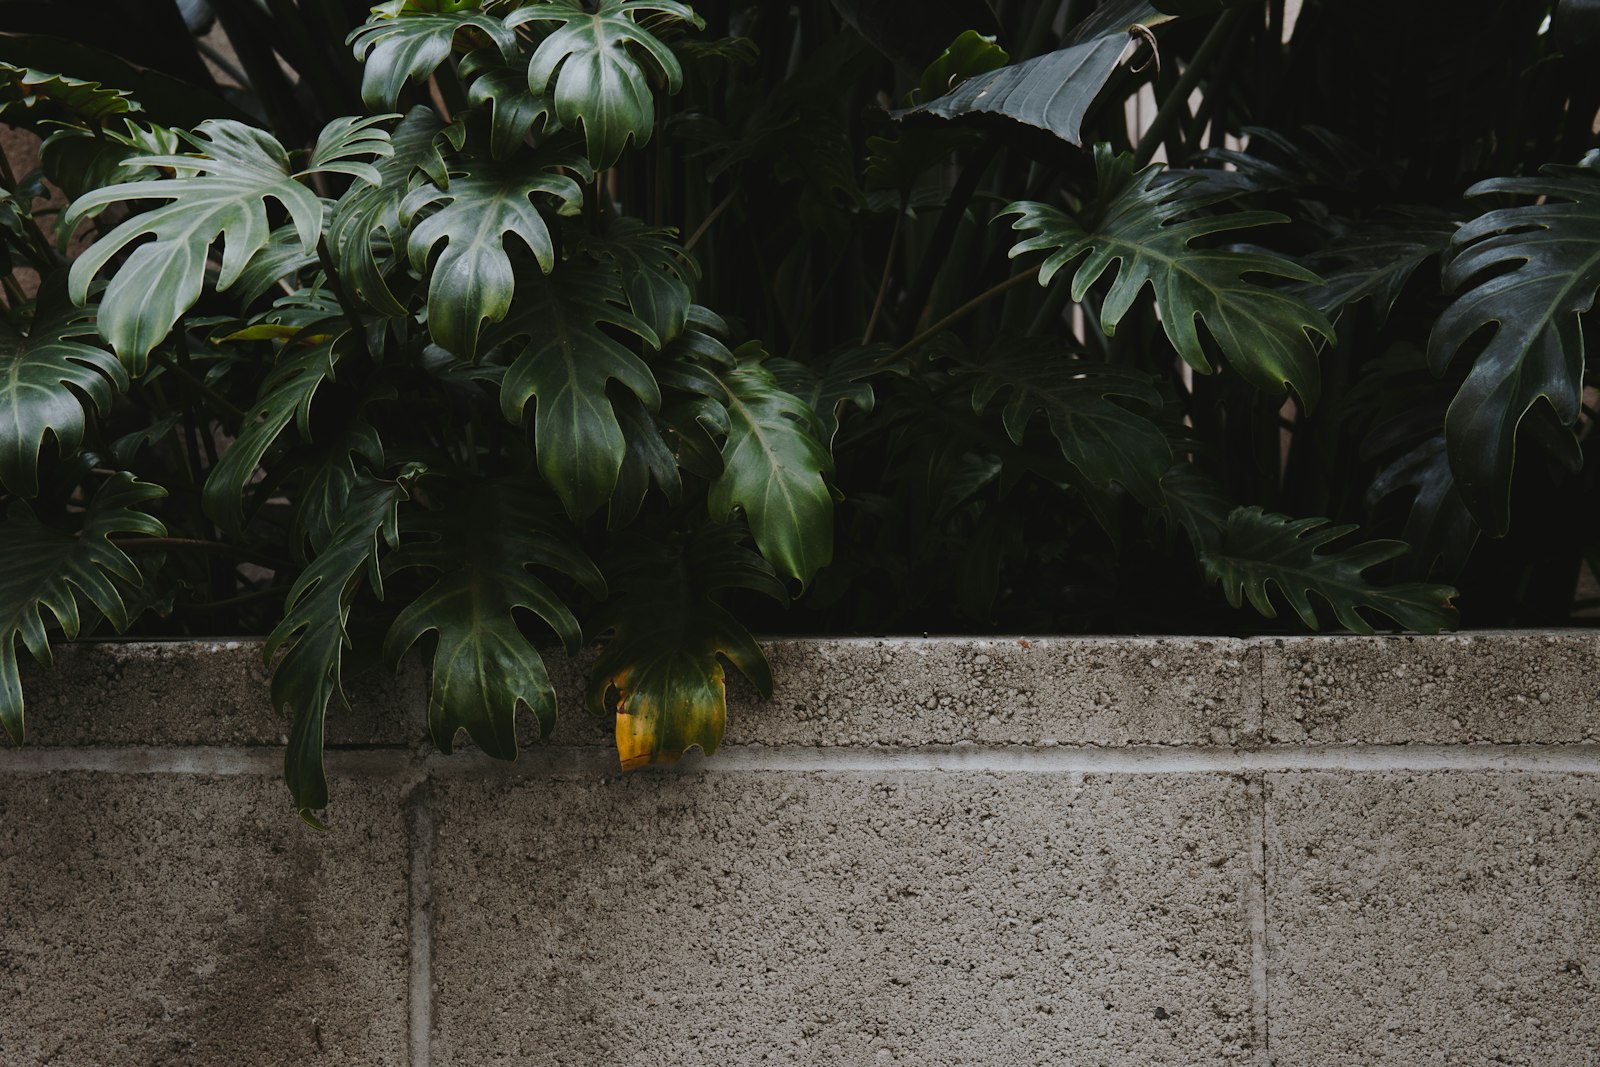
{"x": 1320, "y": 852}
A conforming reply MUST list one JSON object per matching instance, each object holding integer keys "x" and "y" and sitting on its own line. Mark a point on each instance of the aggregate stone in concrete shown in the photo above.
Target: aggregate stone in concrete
{"x": 996, "y": 691}
{"x": 166, "y": 920}
{"x": 1449, "y": 918}
{"x": 828, "y": 918}
{"x": 198, "y": 693}
{"x": 1505, "y": 688}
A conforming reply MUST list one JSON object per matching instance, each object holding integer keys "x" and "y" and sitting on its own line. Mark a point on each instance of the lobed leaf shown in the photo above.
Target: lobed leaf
{"x": 407, "y": 41}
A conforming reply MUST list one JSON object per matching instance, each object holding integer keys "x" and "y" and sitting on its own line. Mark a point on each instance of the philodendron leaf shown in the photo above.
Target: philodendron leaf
{"x": 659, "y": 672}
{"x": 44, "y": 570}
{"x": 1139, "y": 229}
{"x": 29, "y": 96}
{"x": 408, "y": 40}
{"x": 658, "y": 276}
{"x": 1376, "y": 261}
{"x": 219, "y": 193}
{"x": 47, "y": 379}
{"x": 830, "y": 386}
{"x": 286, "y": 396}
{"x": 481, "y": 543}
{"x": 600, "y": 83}
{"x": 773, "y": 467}
{"x": 473, "y": 281}
{"x": 565, "y": 364}
{"x": 1257, "y": 551}
{"x": 1105, "y": 440}
{"x": 1529, "y": 272}
{"x": 310, "y": 674}
{"x": 503, "y": 91}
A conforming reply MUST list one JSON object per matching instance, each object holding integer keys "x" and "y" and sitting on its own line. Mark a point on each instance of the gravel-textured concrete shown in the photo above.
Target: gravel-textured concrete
{"x": 165, "y": 920}
{"x": 928, "y": 919}
{"x": 1434, "y": 919}
{"x": 1509, "y": 688}
{"x": 198, "y": 693}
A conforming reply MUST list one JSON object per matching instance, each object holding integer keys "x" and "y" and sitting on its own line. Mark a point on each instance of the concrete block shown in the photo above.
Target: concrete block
{"x": 1447, "y": 918}
{"x": 992, "y": 691}
{"x": 1505, "y": 688}
{"x": 175, "y": 919}
{"x": 198, "y": 693}
{"x": 918, "y": 918}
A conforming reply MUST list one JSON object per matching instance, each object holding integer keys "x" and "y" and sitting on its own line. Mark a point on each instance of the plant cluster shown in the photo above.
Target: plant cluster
{"x": 627, "y": 320}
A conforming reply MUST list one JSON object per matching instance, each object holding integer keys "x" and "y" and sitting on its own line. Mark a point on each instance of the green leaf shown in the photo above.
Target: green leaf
{"x": 1258, "y": 551}
{"x": 222, "y": 193}
{"x": 1530, "y": 272}
{"x": 42, "y": 570}
{"x": 365, "y": 225}
{"x": 1374, "y": 262}
{"x": 658, "y": 276}
{"x": 968, "y": 56}
{"x": 315, "y": 616}
{"x": 1052, "y": 92}
{"x": 473, "y": 280}
{"x": 1105, "y": 440}
{"x": 484, "y": 668}
{"x": 30, "y": 96}
{"x": 648, "y": 459}
{"x": 286, "y": 396}
{"x": 46, "y": 380}
{"x": 830, "y": 386}
{"x": 565, "y": 363}
{"x": 78, "y": 160}
{"x": 407, "y": 41}
{"x": 659, "y": 672}
{"x": 345, "y": 144}
{"x": 514, "y": 111}
{"x": 328, "y": 478}
{"x": 773, "y": 467}
{"x": 599, "y": 83}
{"x": 1138, "y": 227}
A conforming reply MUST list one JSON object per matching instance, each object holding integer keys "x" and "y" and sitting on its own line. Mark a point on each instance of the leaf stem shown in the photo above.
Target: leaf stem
{"x": 705, "y": 223}
{"x": 883, "y": 283}
{"x": 956, "y": 316}
{"x": 193, "y": 380}
{"x": 1177, "y": 101}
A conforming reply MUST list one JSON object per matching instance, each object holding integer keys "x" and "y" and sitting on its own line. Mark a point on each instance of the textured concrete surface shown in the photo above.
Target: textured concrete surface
{"x": 171, "y": 919}
{"x": 1434, "y": 919}
{"x": 1508, "y": 688}
{"x": 128, "y": 692}
{"x": 993, "y": 691}
{"x": 929, "y": 919}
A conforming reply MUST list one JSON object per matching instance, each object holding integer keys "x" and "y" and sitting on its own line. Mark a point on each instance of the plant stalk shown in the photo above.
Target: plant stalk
{"x": 1177, "y": 102}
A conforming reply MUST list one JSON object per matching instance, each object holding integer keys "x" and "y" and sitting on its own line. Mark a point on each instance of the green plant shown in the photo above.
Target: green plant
{"x": 445, "y": 374}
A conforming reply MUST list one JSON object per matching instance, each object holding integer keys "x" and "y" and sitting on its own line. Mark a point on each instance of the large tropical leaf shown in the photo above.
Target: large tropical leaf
{"x": 565, "y": 363}
{"x": 599, "y": 83}
{"x": 1528, "y": 272}
{"x": 220, "y": 193}
{"x": 286, "y": 396}
{"x": 1144, "y": 225}
{"x": 473, "y": 280}
{"x": 484, "y": 667}
{"x": 659, "y": 672}
{"x": 47, "y": 378}
{"x": 658, "y": 276}
{"x": 832, "y": 385}
{"x": 408, "y": 39}
{"x": 1105, "y": 440}
{"x": 364, "y": 227}
{"x": 502, "y": 90}
{"x": 28, "y": 97}
{"x": 315, "y": 615}
{"x": 773, "y": 466}
{"x": 1052, "y": 92}
{"x": 44, "y": 570}
{"x": 1374, "y": 261}
{"x": 1257, "y": 552}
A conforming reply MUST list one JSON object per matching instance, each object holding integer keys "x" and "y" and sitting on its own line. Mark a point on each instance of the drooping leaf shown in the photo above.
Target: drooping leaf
{"x": 473, "y": 281}
{"x": 599, "y": 83}
{"x": 78, "y": 160}
{"x": 327, "y": 480}
{"x": 45, "y": 570}
{"x": 1375, "y": 261}
{"x": 658, "y": 276}
{"x": 407, "y": 41}
{"x": 30, "y": 96}
{"x": 830, "y": 386}
{"x": 282, "y": 257}
{"x": 969, "y": 55}
{"x": 221, "y": 193}
{"x": 773, "y": 467}
{"x": 47, "y": 379}
{"x": 1528, "y": 272}
{"x": 286, "y": 396}
{"x": 647, "y": 460}
{"x": 1258, "y": 552}
{"x": 310, "y": 673}
{"x": 659, "y": 672}
{"x": 1052, "y": 92}
{"x": 484, "y": 668}
{"x": 1141, "y": 229}
{"x": 1105, "y": 440}
{"x": 565, "y": 364}
{"x": 1438, "y": 523}
{"x": 514, "y": 110}
{"x": 364, "y": 225}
